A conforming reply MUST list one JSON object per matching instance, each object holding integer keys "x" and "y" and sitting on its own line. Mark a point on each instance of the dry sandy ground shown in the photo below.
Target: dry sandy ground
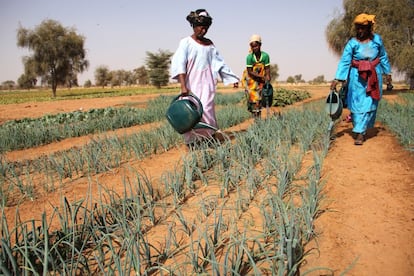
{"x": 368, "y": 225}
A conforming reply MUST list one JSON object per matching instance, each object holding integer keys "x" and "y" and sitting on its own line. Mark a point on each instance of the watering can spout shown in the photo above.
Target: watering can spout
{"x": 204, "y": 125}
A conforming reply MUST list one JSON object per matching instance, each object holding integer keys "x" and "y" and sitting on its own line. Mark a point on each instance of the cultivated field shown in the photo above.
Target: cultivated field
{"x": 278, "y": 195}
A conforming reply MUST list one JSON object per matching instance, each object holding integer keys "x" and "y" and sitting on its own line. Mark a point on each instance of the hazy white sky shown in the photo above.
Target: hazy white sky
{"x": 119, "y": 33}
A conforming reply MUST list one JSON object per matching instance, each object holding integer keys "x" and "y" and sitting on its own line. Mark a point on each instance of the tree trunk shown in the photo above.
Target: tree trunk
{"x": 54, "y": 86}
{"x": 411, "y": 80}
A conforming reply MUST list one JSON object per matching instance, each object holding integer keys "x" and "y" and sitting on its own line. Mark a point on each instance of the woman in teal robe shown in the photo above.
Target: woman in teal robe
{"x": 363, "y": 62}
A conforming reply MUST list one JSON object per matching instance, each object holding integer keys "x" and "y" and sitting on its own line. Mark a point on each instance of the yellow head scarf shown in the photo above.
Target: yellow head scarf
{"x": 364, "y": 19}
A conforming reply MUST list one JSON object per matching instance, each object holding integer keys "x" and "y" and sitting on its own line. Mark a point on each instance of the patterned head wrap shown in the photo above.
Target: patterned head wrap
{"x": 199, "y": 17}
{"x": 364, "y": 19}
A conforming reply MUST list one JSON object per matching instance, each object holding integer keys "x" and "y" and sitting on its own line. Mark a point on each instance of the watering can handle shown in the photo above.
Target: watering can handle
{"x": 200, "y": 105}
{"x": 330, "y": 99}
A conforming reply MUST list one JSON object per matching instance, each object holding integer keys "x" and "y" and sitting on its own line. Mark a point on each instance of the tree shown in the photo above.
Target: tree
{"x": 290, "y": 79}
{"x": 141, "y": 75}
{"x": 26, "y": 81}
{"x": 394, "y": 22}
{"x": 71, "y": 80}
{"x": 117, "y": 78}
{"x": 102, "y": 76}
{"x": 87, "y": 84}
{"x": 274, "y": 72}
{"x": 158, "y": 65}
{"x": 298, "y": 78}
{"x": 129, "y": 78}
{"x": 295, "y": 79}
{"x": 9, "y": 84}
{"x": 58, "y": 52}
{"x": 319, "y": 79}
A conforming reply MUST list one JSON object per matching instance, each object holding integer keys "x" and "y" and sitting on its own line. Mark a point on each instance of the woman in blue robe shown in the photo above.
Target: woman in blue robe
{"x": 363, "y": 62}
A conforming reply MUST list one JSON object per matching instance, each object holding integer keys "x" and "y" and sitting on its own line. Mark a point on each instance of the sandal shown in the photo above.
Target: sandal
{"x": 359, "y": 140}
{"x": 219, "y": 136}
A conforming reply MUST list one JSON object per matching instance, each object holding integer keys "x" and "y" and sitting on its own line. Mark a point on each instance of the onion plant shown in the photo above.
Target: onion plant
{"x": 398, "y": 116}
{"x": 117, "y": 233}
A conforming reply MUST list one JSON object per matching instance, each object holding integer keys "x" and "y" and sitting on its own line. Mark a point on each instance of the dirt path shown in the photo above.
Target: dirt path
{"x": 367, "y": 230}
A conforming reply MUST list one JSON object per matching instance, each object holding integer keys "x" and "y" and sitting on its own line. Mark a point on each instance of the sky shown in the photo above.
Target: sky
{"x": 119, "y": 33}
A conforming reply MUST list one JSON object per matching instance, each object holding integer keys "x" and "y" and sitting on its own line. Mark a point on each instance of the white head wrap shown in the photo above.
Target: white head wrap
{"x": 255, "y": 38}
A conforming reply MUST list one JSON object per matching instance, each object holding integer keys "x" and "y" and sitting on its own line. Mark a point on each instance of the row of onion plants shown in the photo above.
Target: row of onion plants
{"x": 100, "y": 155}
{"x": 398, "y": 115}
{"x": 260, "y": 169}
{"x": 103, "y": 153}
{"x": 31, "y": 132}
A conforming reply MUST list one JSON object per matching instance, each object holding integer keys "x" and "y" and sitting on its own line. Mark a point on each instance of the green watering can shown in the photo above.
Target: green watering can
{"x": 267, "y": 95}
{"x": 184, "y": 114}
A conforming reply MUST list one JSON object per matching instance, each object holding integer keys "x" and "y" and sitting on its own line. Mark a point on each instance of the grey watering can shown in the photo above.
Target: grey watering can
{"x": 333, "y": 105}
{"x": 334, "y": 108}
{"x": 184, "y": 114}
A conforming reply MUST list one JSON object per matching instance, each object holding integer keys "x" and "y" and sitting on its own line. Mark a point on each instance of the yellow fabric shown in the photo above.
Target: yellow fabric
{"x": 253, "y": 87}
{"x": 364, "y": 19}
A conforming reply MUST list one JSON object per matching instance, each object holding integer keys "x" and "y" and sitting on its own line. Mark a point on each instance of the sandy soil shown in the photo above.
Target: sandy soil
{"x": 368, "y": 225}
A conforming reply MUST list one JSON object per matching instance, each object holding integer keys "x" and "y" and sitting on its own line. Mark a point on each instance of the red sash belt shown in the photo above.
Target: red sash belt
{"x": 366, "y": 70}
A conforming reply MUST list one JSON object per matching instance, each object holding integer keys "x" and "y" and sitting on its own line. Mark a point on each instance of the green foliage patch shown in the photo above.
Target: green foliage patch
{"x": 43, "y": 95}
{"x": 283, "y": 97}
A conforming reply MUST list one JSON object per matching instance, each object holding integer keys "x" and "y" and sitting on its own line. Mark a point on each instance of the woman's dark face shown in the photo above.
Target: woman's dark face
{"x": 362, "y": 31}
{"x": 200, "y": 31}
{"x": 255, "y": 46}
